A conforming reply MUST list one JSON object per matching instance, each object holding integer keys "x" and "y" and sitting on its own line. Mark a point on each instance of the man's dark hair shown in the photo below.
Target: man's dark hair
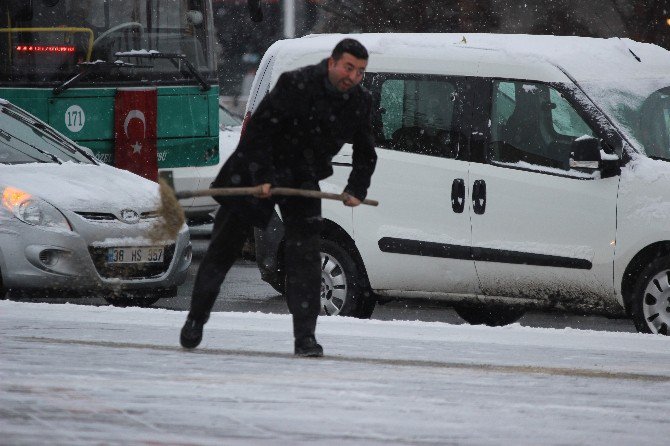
{"x": 351, "y": 46}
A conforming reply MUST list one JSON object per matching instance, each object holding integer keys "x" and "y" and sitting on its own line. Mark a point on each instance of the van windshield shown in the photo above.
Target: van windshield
{"x": 641, "y": 107}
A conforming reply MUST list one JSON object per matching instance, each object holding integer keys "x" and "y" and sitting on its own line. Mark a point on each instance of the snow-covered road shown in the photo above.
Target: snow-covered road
{"x": 77, "y": 375}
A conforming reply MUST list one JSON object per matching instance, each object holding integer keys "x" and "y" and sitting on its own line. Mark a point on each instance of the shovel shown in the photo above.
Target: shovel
{"x": 172, "y": 218}
{"x": 281, "y": 191}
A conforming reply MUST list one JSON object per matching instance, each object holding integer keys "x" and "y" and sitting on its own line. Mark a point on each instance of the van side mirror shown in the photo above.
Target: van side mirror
{"x": 255, "y": 10}
{"x": 585, "y": 153}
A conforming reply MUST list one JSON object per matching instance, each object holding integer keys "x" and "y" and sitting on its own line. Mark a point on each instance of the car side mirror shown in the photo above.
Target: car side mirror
{"x": 585, "y": 153}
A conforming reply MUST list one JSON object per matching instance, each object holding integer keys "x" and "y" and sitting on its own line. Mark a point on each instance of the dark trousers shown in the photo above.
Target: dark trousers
{"x": 302, "y": 225}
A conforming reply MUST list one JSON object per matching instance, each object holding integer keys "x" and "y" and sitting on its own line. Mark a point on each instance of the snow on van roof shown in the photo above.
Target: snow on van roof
{"x": 582, "y": 57}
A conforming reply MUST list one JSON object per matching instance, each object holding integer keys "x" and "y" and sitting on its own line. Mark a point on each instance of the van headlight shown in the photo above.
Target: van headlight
{"x": 33, "y": 210}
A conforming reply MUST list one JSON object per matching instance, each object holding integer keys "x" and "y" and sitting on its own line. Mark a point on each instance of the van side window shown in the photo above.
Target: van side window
{"x": 417, "y": 116}
{"x": 533, "y": 123}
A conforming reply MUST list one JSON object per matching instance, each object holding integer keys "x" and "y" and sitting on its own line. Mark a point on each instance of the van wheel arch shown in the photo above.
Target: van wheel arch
{"x": 367, "y": 300}
{"x": 333, "y": 233}
{"x": 635, "y": 267}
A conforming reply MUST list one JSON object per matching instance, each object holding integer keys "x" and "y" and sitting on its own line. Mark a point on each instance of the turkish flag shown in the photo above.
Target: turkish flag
{"x": 135, "y": 131}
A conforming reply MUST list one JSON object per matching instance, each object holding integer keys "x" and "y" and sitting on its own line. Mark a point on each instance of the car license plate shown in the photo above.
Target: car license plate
{"x": 144, "y": 254}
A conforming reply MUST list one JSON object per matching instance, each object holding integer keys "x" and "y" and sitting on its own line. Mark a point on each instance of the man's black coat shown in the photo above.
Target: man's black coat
{"x": 292, "y": 137}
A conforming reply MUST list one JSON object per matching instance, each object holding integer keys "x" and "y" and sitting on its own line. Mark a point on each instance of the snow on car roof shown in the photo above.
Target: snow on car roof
{"x": 500, "y": 55}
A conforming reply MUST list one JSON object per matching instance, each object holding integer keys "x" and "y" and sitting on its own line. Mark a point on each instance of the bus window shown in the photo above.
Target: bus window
{"x": 47, "y": 44}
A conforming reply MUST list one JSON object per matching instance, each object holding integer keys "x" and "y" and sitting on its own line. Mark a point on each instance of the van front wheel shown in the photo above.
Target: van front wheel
{"x": 487, "y": 314}
{"x": 344, "y": 290}
{"x": 650, "y": 306}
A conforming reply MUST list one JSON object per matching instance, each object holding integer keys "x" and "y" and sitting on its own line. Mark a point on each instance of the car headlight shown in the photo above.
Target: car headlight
{"x": 33, "y": 210}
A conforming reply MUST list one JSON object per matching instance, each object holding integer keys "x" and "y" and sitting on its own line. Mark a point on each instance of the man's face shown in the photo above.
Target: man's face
{"x": 347, "y": 72}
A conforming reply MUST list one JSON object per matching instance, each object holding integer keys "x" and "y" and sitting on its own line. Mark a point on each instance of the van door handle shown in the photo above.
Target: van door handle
{"x": 458, "y": 195}
{"x": 479, "y": 197}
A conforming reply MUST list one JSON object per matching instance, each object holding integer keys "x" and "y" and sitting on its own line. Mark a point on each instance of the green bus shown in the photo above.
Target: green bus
{"x": 67, "y": 62}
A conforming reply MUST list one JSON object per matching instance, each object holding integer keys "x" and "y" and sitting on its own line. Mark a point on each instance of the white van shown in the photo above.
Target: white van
{"x": 514, "y": 172}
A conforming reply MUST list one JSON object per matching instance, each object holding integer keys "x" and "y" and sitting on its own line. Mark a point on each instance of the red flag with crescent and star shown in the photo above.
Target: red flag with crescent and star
{"x": 135, "y": 131}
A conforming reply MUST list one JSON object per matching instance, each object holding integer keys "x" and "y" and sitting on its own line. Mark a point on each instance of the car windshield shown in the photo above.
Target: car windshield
{"x": 642, "y": 109}
{"x": 25, "y": 139}
{"x": 44, "y": 41}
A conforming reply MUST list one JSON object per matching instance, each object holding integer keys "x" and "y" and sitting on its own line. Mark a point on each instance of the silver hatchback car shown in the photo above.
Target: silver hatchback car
{"x": 69, "y": 223}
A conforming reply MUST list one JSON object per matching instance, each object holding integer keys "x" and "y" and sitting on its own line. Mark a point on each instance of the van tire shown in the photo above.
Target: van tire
{"x": 344, "y": 289}
{"x": 487, "y": 314}
{"x": 650, "y": 300}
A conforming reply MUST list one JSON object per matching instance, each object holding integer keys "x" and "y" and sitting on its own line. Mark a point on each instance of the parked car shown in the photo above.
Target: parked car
{"x": 199, "y": 209}
{"x": 514, "y": 172}
{"x": 69, "y": 223}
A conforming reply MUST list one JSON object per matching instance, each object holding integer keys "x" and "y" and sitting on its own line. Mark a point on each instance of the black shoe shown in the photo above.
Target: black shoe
{"x": 308, "y": 347}
{"x": 191, "y": 333}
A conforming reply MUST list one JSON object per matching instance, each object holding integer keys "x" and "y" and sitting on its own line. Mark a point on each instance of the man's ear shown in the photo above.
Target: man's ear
{"x": 331, "y": 63}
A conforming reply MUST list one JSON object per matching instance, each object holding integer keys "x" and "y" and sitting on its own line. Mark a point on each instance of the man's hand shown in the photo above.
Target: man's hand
{"x": 350, "y": 200}
{"x": 265, "y": 191}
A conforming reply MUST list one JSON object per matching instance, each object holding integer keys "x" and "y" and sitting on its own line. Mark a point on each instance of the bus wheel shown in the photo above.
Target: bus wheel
{"x": 650, "y": 304}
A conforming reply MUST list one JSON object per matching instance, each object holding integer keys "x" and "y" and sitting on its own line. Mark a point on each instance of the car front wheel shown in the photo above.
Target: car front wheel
{"x": 343, "y": 286}
{"x": 650, "y": 305}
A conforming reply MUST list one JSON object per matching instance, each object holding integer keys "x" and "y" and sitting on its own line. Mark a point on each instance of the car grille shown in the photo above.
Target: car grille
{"x": 97, "y": 216}
{"x": 149, "y": 215}
{"x": 130, "y": 270}
{"x": 105, "y": 216}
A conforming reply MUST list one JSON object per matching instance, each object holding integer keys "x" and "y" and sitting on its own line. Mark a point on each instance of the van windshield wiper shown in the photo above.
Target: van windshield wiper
{"x": 86, "y": 68}
{"x": 175, "y": 58}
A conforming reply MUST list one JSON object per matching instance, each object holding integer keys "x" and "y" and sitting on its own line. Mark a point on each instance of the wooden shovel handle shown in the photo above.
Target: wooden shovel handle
{"x": 283, "y": 191}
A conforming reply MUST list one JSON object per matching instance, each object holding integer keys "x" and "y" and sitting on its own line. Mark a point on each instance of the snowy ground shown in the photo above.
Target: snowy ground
{"x": 77, "y": 375}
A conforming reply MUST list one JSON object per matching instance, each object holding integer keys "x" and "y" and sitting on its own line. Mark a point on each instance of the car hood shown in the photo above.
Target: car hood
{"x": 82, "y": 187}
